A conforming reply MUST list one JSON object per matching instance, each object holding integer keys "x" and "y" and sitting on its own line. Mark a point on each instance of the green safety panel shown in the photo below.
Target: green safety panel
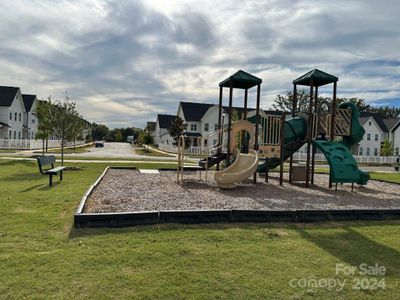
{"x": 343, "y": 167}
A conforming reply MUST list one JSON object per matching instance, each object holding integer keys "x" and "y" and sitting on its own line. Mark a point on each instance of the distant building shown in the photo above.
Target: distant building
{"x": 12, "y": 112}
{"x": 151, "y": 129}
{"x": 30, "y": 119}
{"x": 378, "y": 129}
{"x": 18, "y": 119}
{"x": 162, "y": 135}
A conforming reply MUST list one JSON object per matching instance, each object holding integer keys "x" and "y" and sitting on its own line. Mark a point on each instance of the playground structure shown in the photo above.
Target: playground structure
{"x": 332, "y": 129}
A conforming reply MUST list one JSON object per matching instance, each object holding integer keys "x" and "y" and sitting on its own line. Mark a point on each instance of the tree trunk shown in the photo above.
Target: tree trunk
{"x": 47, "y": 144}
{"x": 42, "y": 146}
{"x": 62, "y": 151}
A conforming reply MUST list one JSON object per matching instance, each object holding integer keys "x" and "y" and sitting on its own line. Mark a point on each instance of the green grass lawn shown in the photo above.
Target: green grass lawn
{"x": 43, "y": 256}
{"x": 8, "y": 151}
{"x": 150, "y": 152}
{"x": 390, "y": 177}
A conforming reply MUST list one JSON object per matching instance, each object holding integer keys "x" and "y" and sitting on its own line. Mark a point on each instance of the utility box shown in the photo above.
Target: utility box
{"x": 299, "y": 173}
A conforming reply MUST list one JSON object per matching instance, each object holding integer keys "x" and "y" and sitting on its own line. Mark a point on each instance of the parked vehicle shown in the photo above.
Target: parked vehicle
{"x": 99, "y": 144}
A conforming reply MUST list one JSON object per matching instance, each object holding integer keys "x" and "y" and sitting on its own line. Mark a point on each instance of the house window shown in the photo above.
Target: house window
{"x": 20, "y": 117}
{"x": 10, "y": 134}
{"x": 15, "y": 117}
{"x": 10, "y": 115}
{"x": 15, "y": 135}
{"x": 376, "y": 137}
{"x": 367, "y": 153}
{"x": 397, "y": 150}
{"x": 215, "y": 142}
{"x": 205, "y": 142}
{"x": 369, "y": 123}
{"x": 215, "y": 126}
{"x": 205, "y": 126}
{"x": 360, "y": 151}
{"x": 19, "y": 134}
{"x": 375, "y": 151}
{"x": 368, "y": 136}
{"x": 33, "y": 120}
{"x": 193, "y": 127}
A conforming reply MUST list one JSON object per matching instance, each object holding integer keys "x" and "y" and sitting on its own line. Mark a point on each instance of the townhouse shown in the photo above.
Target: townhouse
{"x": 377, "y": 130}
{"x": 161, "y": 134}
{"x": 12, "y": 113}
{"x": 18, "y": 119}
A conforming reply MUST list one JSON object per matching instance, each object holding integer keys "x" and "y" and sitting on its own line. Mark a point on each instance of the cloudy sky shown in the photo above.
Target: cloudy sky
{"x": 125, "y": 61}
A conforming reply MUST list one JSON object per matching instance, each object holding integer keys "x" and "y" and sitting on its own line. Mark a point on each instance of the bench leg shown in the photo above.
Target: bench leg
{"x": 61, "y": 175}
{"x": 51, "y": 180}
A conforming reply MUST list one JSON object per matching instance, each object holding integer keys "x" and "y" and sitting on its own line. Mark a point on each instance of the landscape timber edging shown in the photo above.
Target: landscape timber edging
{"x": 121, "y": 219}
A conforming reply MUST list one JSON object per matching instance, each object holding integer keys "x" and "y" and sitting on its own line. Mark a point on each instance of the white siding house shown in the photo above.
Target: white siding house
{"x": 19, "y": 123}
{"x": 11, "y": 113}
{"x": 370, "y": 144}
{"x": 161, "y": 135}
{"x": 30, "y": 119}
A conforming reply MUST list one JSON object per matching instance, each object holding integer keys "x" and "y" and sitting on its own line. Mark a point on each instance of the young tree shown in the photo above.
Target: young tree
{"x": 285, "y": 102}
{"x": 117, "y": 135}
{"x": 177, "y": 128}
{"x": 63, "y": 116}
{"x": 387, "y": 149}
{"x": 43, "y": 109}
{"x": 145, "y": 138}
{"x": 77, "y": 128}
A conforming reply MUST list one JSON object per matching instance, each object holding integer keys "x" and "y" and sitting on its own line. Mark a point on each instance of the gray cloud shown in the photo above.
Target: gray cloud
{"x": 126, "y": 61}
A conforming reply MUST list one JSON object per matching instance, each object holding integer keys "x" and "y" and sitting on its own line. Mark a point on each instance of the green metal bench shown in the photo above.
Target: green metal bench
{"x": 44, "y": 161}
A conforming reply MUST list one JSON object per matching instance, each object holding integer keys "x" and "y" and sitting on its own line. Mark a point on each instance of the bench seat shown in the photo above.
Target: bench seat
{"x": 55, "y": 170}
{"x": 49, "y": 161}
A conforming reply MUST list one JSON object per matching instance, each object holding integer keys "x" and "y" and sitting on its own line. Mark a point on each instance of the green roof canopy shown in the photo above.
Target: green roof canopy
{"x": 241, "y": 80}
{"x": 318, "y": 77}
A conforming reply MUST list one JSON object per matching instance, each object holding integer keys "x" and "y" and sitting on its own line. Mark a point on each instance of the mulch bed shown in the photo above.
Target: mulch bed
{"x": 127, "y": 190}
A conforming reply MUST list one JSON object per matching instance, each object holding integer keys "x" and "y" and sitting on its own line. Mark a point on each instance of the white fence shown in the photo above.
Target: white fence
{"x": 299, "y": 156}
{"x": 188, "y": 151}
{"x": 32, "y": 144}
{"x": 359, "y": 159}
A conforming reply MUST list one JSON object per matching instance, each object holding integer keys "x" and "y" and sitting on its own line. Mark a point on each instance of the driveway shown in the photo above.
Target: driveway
{"x": 117, "y": 150}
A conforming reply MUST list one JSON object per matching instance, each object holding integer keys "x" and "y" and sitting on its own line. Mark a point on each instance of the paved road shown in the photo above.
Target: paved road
{"x": 117, "y": 150}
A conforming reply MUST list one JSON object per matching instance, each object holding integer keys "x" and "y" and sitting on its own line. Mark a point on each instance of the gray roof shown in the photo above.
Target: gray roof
{"x": 150, "y": 126}
{"x": 194, "y": 111}
{"x": 7, "y": 95}
{"x": 385, "y": 124}
{"x": 4, "y": 125}
{"x": 28, "y": 101}
{"x": 378, "y": 118}
{"x": 165, "y": 120}
{"x": 391, "y": 123}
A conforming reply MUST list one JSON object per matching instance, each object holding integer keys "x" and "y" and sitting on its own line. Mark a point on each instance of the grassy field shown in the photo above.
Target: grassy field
{"x": 8, "y": 151}
{"x": 390, "y": 177}
{"x": 43, "y": 256}
{"x": 150, "y": 152}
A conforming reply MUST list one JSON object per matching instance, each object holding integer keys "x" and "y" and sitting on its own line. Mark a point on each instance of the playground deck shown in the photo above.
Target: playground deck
{"x": 128, "y": 190}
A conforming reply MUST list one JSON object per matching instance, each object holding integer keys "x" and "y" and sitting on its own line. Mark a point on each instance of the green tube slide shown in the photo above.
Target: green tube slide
{"x": 343, "y": 167}
{"x": 295, "y": 131}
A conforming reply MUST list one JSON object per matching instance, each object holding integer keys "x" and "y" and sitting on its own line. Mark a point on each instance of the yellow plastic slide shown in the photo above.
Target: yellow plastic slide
{"x": 242, "y": 168}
